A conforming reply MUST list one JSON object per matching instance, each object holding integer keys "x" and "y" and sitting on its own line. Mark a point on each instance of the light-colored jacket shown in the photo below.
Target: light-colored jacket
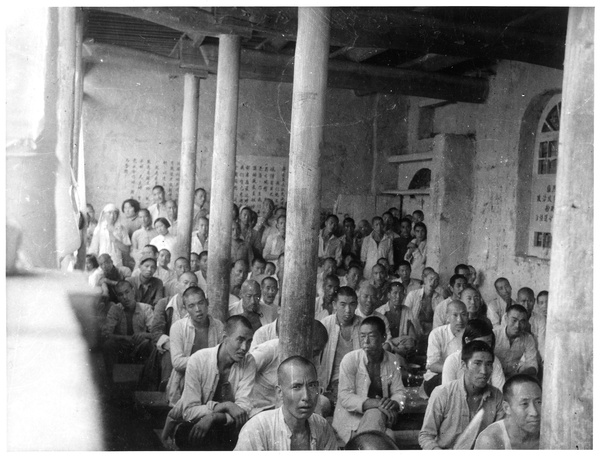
{"x": 354, "y": 386}
{"x": 201, "y": 378}
{"x": 333, "y": 330}
{"x": 413, "y": 301}
{"x": 182, "y": 341}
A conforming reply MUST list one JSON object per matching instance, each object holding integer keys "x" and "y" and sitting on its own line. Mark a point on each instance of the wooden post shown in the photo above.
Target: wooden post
{"x": 223, "y": 175}
{"x": 187, "y": 174}
{"x": 567, "y": 407}
{"x": 67, "y": 233}
{"x": 304, "y": 184}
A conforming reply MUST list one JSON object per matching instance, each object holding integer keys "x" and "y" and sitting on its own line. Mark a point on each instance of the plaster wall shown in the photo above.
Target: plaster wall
{"x": 495, "y": 127}
{"x": 137, "y": 108}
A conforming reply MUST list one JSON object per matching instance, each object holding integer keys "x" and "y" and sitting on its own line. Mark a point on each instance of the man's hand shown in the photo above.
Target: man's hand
{"x": 138, "y": 338}
{"x": 239, "y": 415}
{"x": 391, "y": 409}
{"x": 404, "y": 344}
{"x": 200, "y": 429}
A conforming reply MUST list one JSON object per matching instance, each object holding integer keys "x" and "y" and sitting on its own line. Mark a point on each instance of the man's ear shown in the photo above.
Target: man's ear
{"x": 463, "y": 365}
{"x": 506, "y": 407}
{"x": 279, "y": 393}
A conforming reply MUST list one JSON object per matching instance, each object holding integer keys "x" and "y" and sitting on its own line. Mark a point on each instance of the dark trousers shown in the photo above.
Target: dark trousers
{"x": 119, "y": 351}
{"x": 220, "y": 438}
{"x": 429, "y": 385}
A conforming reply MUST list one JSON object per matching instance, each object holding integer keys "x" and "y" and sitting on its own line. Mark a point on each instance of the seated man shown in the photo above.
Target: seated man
{"x": 400, "y": 319}
{"x": 200, "y": 236}
{"x": 293, "y": 426}
{"x": 268, "y": 293}
{"x": 324, "y": 303}
{"x": 400, "y": 243}
{"x": 203, "y": 270}
{"x": 171, "y": 206}
{"x": 379, "y": 281}
{"x": 239, "y": 273}
{"x": 422, "y": 302}
{"x": 266, "y": 355}
{"x": 107, "y": 276}
{"x": 216, "y": 396}
{"x": 181, "y": 266}
{"x": 142, "y": 236}
{"x": 257, "y": 271}
{"x": 454, "y": 404}
{"x": 371, "y": 440}
{"x": 520, "y": 429}
{"x": 455, "y": 287}
{"x": 127, "y": 330}
{"x": 404, "y": 272}
{"x": 194, "y": 262}
{"x": 342, "y": 329}
{"x": 371, "y": 392}
{"x": 166, "y": 313}
{"x": 196, "y": 331}
{"x": 477, "y": 329}
{"x": 366, "y": 306}
{"x": 515, "y": 347}
{"x": 537, "y": 321}
{"x": 353, "y": 277}
{"x": 330, "y": 246}
{"x": 275, "y": 243}
{"x": 444, "y": 341}
{"x": 163, "y": 271}
{"x": 328, "y": 268}
{"x": 250, "y": 307}
{"x": 270, "y": 269}
{"x": 148, "y": 289}
{"x": 265, "y": 333}
{"x": 499, "y": 305}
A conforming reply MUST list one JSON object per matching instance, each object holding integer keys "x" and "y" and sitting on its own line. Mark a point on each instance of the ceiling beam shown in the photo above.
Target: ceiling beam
{"x": 347, "y": 75}
{"x": 385, "y": 28}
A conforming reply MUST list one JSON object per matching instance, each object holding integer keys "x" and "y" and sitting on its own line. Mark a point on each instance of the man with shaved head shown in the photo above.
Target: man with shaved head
{"x": 423, "y": 302}
{"x": 239, "y": 273}
{"x": 443, "y": 341}
{"x": 171, "y": 206}
{"x": 371, "y": 392}
{"x": 200, "y": 236}
{"x": 266, "y": 355}
{"x": 196, "y": 331}
{"x": 249, "y": 306}
{"x": 520, "y": 429}
{"x": 293, "y": 426}
{"x": 181, "y": 266}
{"x": 168, "y": 311}
{"x": 215, "y": 402}
{"x": 367, "y": 306}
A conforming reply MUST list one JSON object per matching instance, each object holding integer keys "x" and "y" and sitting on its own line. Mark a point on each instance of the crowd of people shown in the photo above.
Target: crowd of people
{"x": 381, "y": 316}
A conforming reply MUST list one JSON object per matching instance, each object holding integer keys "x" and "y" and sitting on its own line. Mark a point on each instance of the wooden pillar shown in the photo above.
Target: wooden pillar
{"x": 567, "y": 409}
{"x": 67, "y": 233}
{"x": 223, "y": 175}
{"x": 304, "y": 183}
{"x": 187, "y": 175}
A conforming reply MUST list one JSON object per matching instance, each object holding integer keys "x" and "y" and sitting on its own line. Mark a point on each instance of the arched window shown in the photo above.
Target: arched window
{"x": 543, "y": 183}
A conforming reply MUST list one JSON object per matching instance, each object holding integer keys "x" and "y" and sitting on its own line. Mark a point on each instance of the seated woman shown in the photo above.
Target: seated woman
{"x": 110, "y": 237}
{"x": 130, "y": 219}
{"x": 164, "y": 239}
{"x": 416, "y": 252}
{"x": 475, "y": 330}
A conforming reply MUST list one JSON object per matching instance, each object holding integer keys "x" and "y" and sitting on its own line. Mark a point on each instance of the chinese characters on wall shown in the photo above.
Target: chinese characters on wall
{"x": 139, "y": 175}
{"x": 257, "y": 177}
